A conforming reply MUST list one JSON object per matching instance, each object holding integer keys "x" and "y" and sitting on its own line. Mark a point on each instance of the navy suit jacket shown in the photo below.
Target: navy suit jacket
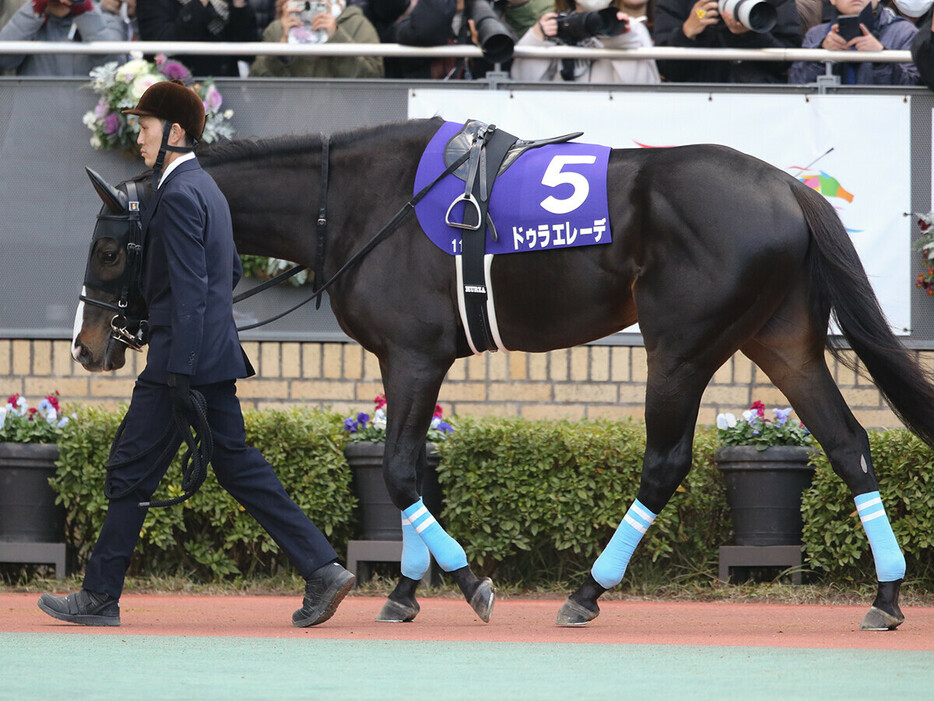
{"x": 189, "y": 271}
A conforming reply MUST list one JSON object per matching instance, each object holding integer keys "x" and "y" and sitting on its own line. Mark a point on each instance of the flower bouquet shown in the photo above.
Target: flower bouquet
{"x": 41, "y": 424}
{"x": 754, "y": 429}
{"x": 925, "y": 246}
{"x": 362, "y": 427}
{"x": 121, "y": 86}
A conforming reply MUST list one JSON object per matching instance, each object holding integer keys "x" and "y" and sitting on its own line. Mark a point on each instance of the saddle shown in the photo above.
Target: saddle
{"x": 489, "y": 151}
{"x": 461, "y": 142}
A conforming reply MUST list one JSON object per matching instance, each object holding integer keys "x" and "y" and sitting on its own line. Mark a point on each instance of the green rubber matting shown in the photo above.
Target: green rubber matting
{"x": 77, "y": 666}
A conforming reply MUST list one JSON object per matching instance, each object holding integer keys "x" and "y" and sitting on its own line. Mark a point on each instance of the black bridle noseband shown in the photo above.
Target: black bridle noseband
{"x": 125, "y": 228}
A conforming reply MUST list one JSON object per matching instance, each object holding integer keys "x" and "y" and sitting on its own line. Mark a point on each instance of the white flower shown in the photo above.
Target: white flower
{"x": 129, "y": 70}
{"x": 3, "y": 413}
{"x": 725, "y": 421}
{"x": 142, "y": 83}
{"x": 96, "y": 142}
{"x": 379, "y": 419}
{"x": 228, "y": 114}
{"x": 88, "y": 119}
{"x": 749, "y": 416}
{"x": 63, "y": 422}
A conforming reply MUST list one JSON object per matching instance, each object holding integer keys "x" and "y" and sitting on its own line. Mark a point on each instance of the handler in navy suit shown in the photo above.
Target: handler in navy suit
{"x": 189, "y": 271}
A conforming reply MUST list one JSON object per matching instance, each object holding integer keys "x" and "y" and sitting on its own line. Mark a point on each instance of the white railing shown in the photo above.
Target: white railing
{"x": 262, "y": 48}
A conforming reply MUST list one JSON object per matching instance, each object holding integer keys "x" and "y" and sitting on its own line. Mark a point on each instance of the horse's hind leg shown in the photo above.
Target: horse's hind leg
{"x": 673, "y": 392}
{"x": 412, "y": 385}
{"x": 792, "y": 355}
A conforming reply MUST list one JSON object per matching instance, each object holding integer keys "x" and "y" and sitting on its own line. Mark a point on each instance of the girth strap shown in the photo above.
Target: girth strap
{"x": 322, "y": 224}
{"x": 491, "y": 147}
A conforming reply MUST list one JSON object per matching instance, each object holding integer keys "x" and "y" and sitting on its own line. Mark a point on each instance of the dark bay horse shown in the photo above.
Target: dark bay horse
{"x": 712, "y": 252}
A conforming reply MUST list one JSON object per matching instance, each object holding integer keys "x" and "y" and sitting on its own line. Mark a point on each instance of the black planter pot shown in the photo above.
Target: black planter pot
{"x": 28, "y": 512}
{"x": 380, "y": 518}
{"x": 764, "y": 491}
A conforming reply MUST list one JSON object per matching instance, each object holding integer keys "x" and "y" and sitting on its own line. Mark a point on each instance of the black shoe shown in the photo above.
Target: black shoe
{"x": 86, "y": 608}
{"x": 324, "y": 590}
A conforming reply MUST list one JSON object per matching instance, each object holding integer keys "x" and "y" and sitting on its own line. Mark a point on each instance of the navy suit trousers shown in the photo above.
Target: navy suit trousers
{"x": 240, "y": 469}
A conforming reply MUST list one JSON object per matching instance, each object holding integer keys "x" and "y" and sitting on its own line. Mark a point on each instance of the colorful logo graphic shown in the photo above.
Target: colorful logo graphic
{"x": 825, "y": 184}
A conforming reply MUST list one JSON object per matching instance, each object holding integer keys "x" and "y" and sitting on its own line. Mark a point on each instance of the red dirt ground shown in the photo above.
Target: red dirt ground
{"x": 514, "y": 620}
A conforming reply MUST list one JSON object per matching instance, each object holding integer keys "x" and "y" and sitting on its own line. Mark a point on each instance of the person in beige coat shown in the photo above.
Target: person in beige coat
{"x": 545, "y": 33}
{"x": 342, "y": 24}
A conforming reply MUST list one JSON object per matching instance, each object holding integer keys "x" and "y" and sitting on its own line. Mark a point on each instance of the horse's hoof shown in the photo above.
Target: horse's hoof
{"x": 885, "y": 613}
{"x": 573, "y": 614}
{"x": 397, "y": 611}
{"x": 482, "y": 600}
{"x": 877, "y": 619}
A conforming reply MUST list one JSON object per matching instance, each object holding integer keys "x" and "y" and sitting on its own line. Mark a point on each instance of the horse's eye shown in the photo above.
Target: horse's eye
{"x": 109, "y": 256}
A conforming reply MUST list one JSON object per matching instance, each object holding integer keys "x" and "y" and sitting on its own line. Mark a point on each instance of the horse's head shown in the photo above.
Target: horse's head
{"x": 111, "y": 315}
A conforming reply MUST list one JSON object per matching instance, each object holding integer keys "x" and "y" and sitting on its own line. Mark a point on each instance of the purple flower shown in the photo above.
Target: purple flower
{"x": 350, "y": 425}
{"x": 362, "y": 419}
{"x": 173, "y": 70}
{"x": 212, "y": 99}
{"x": 111, "y": 123}
{"x": 102, "y": 109}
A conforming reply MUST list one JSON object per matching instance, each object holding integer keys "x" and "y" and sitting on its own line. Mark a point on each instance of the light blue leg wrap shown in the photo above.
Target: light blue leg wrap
{"x": 415, "y": 555}
{"x": 447, "y": 552}
{"x": 890, "y": 562}
{"x": 610, "y": 567}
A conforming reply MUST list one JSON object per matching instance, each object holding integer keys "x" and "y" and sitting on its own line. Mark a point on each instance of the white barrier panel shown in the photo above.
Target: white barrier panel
{"x": 861, "y": 163}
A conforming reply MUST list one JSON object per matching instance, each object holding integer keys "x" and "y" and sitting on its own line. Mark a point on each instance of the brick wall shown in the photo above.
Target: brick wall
{"x": 587, "y": 381}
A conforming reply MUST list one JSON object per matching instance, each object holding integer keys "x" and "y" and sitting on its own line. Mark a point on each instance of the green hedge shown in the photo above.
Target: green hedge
{"x": 538, "y": 500}
{"x": 835, "y": 542}
{"x": 210, "y": 535}
{"x": 531, "y": 501}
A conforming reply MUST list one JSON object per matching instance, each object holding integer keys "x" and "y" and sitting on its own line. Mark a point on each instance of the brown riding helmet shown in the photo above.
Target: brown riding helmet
{"x": 175, "y": 103}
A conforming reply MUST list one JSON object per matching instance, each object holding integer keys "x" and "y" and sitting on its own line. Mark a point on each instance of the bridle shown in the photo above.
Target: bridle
{"x": 124, "y": 227}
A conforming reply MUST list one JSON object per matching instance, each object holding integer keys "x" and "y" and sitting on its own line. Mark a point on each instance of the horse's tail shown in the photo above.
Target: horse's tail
{"x": 837, "y": 277}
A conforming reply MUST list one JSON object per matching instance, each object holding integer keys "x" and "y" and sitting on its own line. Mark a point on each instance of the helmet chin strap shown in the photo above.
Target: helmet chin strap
{"x": 160, "y": 158}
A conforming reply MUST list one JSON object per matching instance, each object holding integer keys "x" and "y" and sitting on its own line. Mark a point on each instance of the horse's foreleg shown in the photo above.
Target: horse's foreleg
{"x": 401, "y": 605}
{"x": 412, "y": 387}
{"x": 805, "y": 380}
{"x": 672, "y": 400}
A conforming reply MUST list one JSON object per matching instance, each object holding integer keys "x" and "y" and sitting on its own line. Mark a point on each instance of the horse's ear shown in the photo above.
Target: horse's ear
{"x": 114, "y": 199}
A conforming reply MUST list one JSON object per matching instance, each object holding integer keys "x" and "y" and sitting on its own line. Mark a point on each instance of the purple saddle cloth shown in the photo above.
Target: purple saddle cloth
{"x": 553, "y": 196}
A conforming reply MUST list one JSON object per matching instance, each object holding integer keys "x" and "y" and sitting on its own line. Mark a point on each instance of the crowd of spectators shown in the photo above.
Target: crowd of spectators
{"x": 834, "y": 25}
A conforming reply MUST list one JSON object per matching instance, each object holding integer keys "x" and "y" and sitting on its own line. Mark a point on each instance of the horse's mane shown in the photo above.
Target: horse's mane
{"x": 235, "y": 150}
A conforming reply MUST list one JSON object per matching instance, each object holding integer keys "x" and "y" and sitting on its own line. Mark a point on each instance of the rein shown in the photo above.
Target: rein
{"x": 383, "y": 233}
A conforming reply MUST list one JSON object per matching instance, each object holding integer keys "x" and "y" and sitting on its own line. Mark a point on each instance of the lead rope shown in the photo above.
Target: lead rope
{"x": 200, "y": 450}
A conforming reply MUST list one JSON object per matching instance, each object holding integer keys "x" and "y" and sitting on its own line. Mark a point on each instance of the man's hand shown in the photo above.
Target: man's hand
{"x": 833, "y": 41}
{"x": 702, "y": 15}
{"x": 546, "y": 27}
{"x": 733, "y": 24}
{"x": 866, "y": 42}
{"x": 325, "y": 21}
{"x": 290, "y": 20}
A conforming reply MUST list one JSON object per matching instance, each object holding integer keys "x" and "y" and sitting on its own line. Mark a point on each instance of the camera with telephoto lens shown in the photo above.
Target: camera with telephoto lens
{"x": 495, "y": 38}
{"x": 574, "y": 27}
{"x": 756, "y": 15}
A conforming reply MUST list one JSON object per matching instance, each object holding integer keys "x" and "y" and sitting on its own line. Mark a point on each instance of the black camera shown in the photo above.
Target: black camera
{"x": 574, "y": 27}
{"x": 496, "y": 40}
